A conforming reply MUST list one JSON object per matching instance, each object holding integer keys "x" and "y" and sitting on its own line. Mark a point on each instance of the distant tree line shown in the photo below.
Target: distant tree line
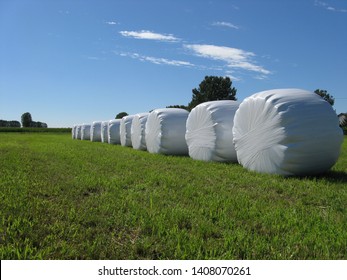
{"x": 38, "y": 124}
{"x": 27, "y": 121}
{"x": 4, "y": 123}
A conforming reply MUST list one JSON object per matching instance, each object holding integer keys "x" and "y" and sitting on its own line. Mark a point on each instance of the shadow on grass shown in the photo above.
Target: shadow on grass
{"x": 331, "y": 176}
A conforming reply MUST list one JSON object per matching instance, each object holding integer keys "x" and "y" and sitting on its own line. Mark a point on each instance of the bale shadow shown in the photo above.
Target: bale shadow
{"x": 331, "y": 176}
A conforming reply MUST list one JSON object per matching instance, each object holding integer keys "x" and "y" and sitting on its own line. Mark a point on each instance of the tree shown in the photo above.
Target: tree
{"x": 326, "y": 96}
{"x": 179, "y": 107}
{"x": 26, "y": 119}
{"x": 213, "y": 88}
{"x": 121, "y": 115}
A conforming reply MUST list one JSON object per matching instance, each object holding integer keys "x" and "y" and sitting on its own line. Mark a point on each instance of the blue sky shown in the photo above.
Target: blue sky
{"x": 78, "y": 61}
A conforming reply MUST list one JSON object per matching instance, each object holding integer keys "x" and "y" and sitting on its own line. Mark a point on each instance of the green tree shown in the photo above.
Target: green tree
{"x": 179, "y": 107}
{"x": 213, "y": 88}
{"x": 121, "y": 115}
{"x": 326, "y": 96}
{"x": 26, "y": 119}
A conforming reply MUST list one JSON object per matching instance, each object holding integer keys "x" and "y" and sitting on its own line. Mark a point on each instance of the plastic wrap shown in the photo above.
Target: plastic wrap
{"x": 138, "y": 135}
{"x": 73, "y": 131}
{"x": 165, "y": 131}
{"x": 85, "y": 132}
{"x": 104, "y": 131}
{"x": 78, "y": 132}
{"x": 287, "y": 132}
{"x": 209, "y": 133}
{"x": 125, "y": 131}
{"x": 114, "y": 132}
{"x": 95, "y": 132}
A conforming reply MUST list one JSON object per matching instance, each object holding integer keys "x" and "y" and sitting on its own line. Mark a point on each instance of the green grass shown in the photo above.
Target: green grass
{"x": 34, "y": 129}
{"x": 70, "y": 199}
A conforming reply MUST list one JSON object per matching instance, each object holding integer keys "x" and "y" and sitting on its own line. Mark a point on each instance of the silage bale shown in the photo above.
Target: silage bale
{"x": 125, "y": 130}
{"x": 78, "y": 131}
{"x": 114, "y": 132}
{"x": 95, "y": 132}
{"x": 138, "y": 133}
{"x": 287, "y": 132}
{"x": 85, "y": 132}
{"x": 165, "y": 131}
{"x": 73, "y": 131}
{"x": 104, "y": 131}
{"x": 209, "y": 133}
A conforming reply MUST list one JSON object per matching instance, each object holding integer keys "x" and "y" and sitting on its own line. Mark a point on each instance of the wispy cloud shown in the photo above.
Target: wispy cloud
{"x": 225, "y": 24}
{"x": 329, "y": 7}
{"x": 157, "y": 60}
{"x": 149, "y": 35}
{"x": 234, "y": 58}
{"x": 111, "y": 22}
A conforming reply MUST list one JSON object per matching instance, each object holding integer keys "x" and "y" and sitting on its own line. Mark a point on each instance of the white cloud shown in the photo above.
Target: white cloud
{"x": 157, "y": 60}
{"x": 112, "y": 22}
{"x": 328, "y": 7}
{"x": 225, "y": 24}
{"x": 230, "y": 74}
{"x": 234, "y": 58}
{"x": 149, "y": 35}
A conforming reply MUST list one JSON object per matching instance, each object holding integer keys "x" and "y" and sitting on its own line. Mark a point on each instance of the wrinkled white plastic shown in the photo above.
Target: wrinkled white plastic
{"x": 125, "y": 131}
{"x": 73, "y": 132}
{"x": 209, "y": 133}
{"x": 114, "y": 132}
{"x": 343, "y": 120}
{"x": 85, "y": 132}
{"x": 95, "y": 132}
{"x": 78, "y": 132}
{"x": 287, "y": 132}
{"x": 138, "y": 135}
{"x": 165, "y": 131}
{"x": 104, "y": 131}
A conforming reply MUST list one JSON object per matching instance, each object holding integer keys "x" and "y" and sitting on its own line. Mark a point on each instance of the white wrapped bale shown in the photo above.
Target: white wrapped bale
{"x": 165, "y": 131}
{"x": 209, "y": 133}
{"x": 287, "y": 132}
{"x": 104, "y": 131}
{"x": 95, "y": 132}
{"x": 85, "y": 132}
{"x": 125, "y": 131}
{"x": 78, "y": 131}
{"x": 73, "y": 132}
{"x": 114, "y": 132}
{"x": 138, "y": 131}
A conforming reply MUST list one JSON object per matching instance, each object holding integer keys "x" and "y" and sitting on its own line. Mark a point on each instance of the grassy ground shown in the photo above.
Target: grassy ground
{"x": 34, "y": 129}
{"x": 70, "y": 199}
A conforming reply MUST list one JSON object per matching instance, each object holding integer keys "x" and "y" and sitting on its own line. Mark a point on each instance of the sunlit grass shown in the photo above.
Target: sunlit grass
{"x": 70, "y": 199}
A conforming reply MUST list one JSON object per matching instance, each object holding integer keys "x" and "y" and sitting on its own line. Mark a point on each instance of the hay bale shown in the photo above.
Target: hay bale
{"x": 209, "y": 133}
{"x": 85, "y": 132}
{"x": 287, "y": 132}
{"x": 104, "y": 131}
{"x": 165, "y": 131}
{"x": 114, "y": 132}
{"x": 95, "y": 132}
{"x": 78, "y": 131}
{"x": 138, "y": 131}
{"x": 73, "y": 131}
{"x": 125, "y": 130}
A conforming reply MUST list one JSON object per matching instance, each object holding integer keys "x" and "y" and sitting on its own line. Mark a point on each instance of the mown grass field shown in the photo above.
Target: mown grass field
{"x": 70, "y": 199}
